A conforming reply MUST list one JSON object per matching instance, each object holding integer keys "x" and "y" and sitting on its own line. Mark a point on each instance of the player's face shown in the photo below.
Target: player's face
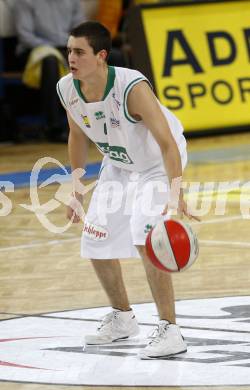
{"x": 82, "y": 60}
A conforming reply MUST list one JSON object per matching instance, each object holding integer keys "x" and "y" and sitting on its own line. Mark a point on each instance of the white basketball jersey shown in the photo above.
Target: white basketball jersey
{"x": 125, "y": 141}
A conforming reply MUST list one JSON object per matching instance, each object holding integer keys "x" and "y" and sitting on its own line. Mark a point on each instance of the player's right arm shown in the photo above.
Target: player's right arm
{"x": 78, "y": 152}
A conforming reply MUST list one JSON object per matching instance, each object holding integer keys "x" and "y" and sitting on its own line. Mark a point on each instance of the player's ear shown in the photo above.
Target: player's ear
{"x": 102, "y": 54}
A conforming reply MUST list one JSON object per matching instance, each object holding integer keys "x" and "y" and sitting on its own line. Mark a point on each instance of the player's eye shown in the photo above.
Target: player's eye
{"x": 79, "y": 52}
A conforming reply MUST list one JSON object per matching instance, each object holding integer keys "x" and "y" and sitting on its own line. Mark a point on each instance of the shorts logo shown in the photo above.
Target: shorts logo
{"x": 85, "y": 120}
{"x": 96, "y": 233}
{"x": 147, "y": 228}
{"x": 117, "y": 153}
{"x": 99, "y": 115}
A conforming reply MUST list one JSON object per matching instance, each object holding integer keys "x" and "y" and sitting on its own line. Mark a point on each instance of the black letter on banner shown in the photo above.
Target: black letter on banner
{"x": 247, "y": 38}
{"x": 214, "y": 86}
{"x": 190, "y": 59}
{"x": 173, "y": 97}
{"x": 244, "y": 91}
{"x": 211, "y": 42}
{"x": 200, "y": 91}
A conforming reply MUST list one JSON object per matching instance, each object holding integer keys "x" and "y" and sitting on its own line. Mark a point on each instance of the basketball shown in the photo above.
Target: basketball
{"x": 172, "y": 246}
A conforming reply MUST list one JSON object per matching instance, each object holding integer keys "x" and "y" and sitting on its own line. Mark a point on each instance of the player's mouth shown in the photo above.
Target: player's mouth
{"x": 73, "y": 69}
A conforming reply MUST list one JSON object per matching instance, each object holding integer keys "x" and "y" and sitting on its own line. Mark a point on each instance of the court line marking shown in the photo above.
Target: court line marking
{"x": 219, "y": 220}
{"x": 205, "y": 243}
{"x": 152, "y": 324}
{"x": 38, "y": 244}
{"x": 228, "y": 244}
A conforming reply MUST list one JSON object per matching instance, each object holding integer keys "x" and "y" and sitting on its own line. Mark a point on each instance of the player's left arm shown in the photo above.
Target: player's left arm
{"x": 143, "y": 105}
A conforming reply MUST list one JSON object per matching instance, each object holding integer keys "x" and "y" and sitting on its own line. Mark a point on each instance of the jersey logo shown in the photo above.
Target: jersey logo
{"x": 117, "y": 153}
{"x": 118, "y": 104}
{"x": 113, "y": 121}
{"x": 73, "y": 102}
{"x": 85, "y": 120}
{"x": 99, "y": 115}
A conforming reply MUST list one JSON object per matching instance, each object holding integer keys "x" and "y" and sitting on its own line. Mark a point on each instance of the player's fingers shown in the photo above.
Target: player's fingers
{"x": 165, "y": 211}
{"x": 69, "y": 213}
{"x": 195, "y": 218}
{"x": 190, "y": 216}
{"x": 76, "y": 218}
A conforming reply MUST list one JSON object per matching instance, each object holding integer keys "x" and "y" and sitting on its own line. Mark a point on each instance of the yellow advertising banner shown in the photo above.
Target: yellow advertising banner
{"x": 200, "y": 58}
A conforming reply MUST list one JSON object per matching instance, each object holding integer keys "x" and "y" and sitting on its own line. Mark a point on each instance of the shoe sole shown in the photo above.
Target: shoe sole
{"x": 115, "y": 340}
{"x": 146, "y": 357}
{"x": 109, "y": 342}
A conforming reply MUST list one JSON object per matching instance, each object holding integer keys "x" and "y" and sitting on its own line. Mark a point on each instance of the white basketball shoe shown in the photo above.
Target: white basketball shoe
{"x": 117, "y": 325}
{"x": 166, "y": 341}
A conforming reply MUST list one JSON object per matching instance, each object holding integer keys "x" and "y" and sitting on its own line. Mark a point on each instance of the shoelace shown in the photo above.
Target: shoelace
{"x": 107, "y": 319}
{"x": 158, "y": 333}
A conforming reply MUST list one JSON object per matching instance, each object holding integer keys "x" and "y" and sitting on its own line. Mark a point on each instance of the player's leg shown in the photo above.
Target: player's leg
{"x": 153, "y": 192}
{"x": 120, "y": 323}
{"x": 109, "y": 274}
{"x": 106, "y": 237}
{"x": 152, "y": 195}
{"x": 161, "y": 287}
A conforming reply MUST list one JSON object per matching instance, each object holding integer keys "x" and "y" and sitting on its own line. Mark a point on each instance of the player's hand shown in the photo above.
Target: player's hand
{"x": 74, "y": 210}
{"x": 182, "y": 209}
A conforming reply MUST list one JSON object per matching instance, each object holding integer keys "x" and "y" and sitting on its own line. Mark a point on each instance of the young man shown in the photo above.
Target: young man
{"x": 141, "y": 141}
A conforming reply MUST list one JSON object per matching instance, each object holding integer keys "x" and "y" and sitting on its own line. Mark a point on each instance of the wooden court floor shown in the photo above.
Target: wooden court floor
{"x": 42, "y": 272}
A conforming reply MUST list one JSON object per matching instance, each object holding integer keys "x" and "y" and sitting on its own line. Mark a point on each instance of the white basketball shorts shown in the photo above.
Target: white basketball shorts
{"x": 124, "y": 207}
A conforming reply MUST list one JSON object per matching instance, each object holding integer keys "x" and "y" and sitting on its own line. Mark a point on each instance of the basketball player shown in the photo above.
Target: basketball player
{"x": 142, "y": 143}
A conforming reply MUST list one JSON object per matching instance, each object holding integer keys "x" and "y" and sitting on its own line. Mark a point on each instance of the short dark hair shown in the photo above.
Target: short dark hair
{"x": 97, "y": 35}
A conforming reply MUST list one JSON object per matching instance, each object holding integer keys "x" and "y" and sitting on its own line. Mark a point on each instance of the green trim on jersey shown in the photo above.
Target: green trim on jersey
{"x": 127, "y": 90}
{"x": 78, "y": 88}
{"x": 59, "y": 93}
{"x": 110, "y": 81}
{"x": 109, "y": 85}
